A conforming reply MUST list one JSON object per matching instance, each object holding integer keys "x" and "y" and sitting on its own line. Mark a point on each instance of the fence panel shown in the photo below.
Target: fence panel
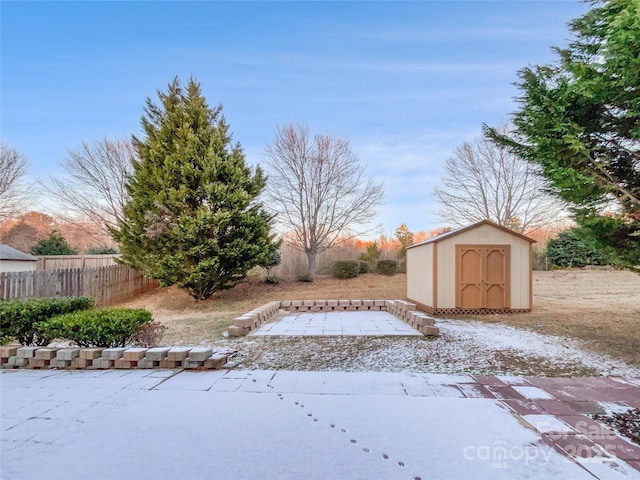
{"x": 63, "y": 262}
{"x": 106, "y": 285}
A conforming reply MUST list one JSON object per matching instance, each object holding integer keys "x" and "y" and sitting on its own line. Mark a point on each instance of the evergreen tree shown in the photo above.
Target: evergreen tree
{"x": 405, "y": 237}
{"x": 570, "y": 249}
{"x": 580, "y": 120}
{"x": 54, "y": 244}
{"x": 372, "y": 255}
{"x": 193, "y": 219}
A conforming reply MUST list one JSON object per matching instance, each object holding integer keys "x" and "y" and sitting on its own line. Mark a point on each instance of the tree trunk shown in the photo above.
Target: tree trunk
{"x": 311, "y": 256}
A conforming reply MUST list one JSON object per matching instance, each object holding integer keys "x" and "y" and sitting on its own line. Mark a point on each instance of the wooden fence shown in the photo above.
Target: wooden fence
{"x": 106, "y": 285}
{"x": 62, "y": 262}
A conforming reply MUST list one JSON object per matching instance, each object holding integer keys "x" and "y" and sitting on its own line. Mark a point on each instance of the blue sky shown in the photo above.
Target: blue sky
{"x": 405, "y": 82}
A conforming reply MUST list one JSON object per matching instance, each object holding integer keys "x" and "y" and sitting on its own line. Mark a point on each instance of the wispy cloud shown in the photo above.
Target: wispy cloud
{"x": 455, "y": 35}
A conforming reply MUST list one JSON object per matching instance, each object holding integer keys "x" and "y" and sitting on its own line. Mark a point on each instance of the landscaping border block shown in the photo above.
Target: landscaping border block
{"x": 405, "y": 311}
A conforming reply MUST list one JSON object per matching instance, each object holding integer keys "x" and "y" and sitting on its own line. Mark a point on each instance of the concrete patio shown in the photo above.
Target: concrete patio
{"x": 241, "y": 424}
{"x": 365, "y": 323}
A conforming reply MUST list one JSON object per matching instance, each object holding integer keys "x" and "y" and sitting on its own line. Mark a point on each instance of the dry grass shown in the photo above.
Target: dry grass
{"x": 191, "y": 322}
{"x": 600, "y": 307}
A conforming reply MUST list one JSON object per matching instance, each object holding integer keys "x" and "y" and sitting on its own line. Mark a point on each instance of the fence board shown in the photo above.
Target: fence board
{"x": 106, "y": 285}
{"x": 60, "y": 262}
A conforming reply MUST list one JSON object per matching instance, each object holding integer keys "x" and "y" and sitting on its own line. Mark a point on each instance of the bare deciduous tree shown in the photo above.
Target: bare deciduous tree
{"x": 13, "y": 190}
{"x": 93, "y": 187}
{"x": 485, "y": 181}
{"x": 317, "y": 189}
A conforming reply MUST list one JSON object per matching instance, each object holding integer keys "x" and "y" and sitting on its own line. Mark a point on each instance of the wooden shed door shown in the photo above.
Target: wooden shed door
{"x": 482, "y": 276}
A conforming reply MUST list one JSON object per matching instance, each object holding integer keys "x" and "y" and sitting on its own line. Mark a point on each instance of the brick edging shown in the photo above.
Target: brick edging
{"x": 403, "y": 310}
{"x": 195, "y": 358}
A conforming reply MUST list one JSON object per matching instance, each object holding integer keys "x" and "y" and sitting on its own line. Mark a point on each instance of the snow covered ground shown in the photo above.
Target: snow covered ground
{"x": 463, "y": 347}
{"x": 155, "y": 425}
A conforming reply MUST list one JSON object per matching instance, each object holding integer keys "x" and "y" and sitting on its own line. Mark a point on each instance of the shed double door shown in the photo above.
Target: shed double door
{"x": 482, "y": 277}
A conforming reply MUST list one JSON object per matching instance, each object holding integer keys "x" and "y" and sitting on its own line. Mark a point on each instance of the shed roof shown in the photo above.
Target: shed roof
{"x": 10, "y": 253}
{"x": 453, "y": 233}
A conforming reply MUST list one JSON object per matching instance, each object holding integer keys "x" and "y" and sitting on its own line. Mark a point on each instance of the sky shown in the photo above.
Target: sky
{"x": 404, "y": 82}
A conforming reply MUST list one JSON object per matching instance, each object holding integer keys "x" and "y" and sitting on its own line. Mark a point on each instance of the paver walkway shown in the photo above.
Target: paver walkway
{"x": 165, "y": 424}
{"x": 337, "y": 323}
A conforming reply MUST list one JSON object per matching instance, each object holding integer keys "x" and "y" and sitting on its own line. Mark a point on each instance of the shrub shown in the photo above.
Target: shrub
{"x": 346, "y": 269}
{"x": 101, "y": 250}
{"x": 569, "y": 249}
{"x": 105, "y": 327}
{"x": 372, "y": 254}
{"x": 305, "y": 277}
{"x": 273, "y": 259}
{"x": 363, "y": 267}
{"x": 386, "y": 267}
{"x": 54, "y": 244}
{"x": 4, "y": 338}
{"x": 272, "y": 279}
{"x": 149, "y": 334}
{"x": 23, "y": 319}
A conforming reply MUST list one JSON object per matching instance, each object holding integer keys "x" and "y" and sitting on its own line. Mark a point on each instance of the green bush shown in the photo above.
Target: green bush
{"x": 363, "y": 267}
{"x": 101, "y": 250}
{"x": 569, "y": 249}
{"x": 346, "y": 269}
{"x": 386, "y": 267}
{"x": 305, "y": 277}
{"x": 105, "y": 327}
{"x": 54, "y": 244}
{"x": 23, "y": 319}
{"x": 273, "y": 259}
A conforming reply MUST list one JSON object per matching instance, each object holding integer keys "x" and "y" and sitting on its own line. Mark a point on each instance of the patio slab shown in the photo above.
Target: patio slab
{"x": 366, "y": 323}
{"x": 246, "y": 424}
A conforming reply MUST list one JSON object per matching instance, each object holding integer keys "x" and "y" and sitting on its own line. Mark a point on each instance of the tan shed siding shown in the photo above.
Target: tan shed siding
{"x": 446, "y": 272}
{"x": 520, "y": 266}
{"x": 420, "y": 274}
{"x": 483, "y": 234}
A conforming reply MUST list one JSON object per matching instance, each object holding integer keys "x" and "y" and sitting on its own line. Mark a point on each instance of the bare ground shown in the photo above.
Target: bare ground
{"x": 598, "y": 309}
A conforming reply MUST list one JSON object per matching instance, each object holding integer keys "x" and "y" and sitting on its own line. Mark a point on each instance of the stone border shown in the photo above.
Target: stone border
{"x": 403, "y": 310}
{"x": 194, "y": 358}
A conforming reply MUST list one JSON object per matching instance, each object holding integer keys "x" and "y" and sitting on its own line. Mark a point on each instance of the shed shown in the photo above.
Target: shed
{"x": 480, "y": 268}
{"x": 12, "y": 260}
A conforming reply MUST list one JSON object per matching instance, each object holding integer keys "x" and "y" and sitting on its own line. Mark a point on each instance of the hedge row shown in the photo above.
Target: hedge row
{"x": 352, "y": 268}
{"x": 39, "y": 321}
{"x": 105, "y": 327}
{"x": 23, "y": 319}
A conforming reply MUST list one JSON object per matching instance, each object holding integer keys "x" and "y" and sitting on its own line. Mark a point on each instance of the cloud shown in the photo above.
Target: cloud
{"x": 410, "y": 166}
{"x": 453, "y": 35}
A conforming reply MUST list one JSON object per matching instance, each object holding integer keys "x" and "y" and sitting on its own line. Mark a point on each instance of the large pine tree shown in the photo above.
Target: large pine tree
{"x": 579, "y": 119}
{"x": 193, "y": 219}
